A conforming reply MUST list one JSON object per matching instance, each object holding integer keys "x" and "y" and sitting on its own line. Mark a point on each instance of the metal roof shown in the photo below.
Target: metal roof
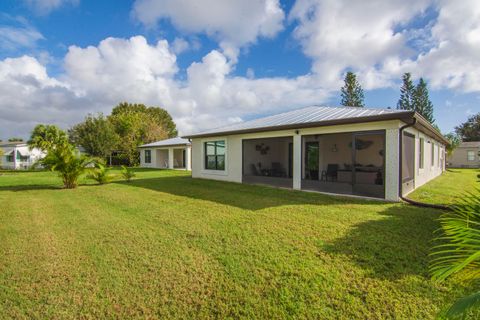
{"x": 305, "y": 117}
{"x": 167, "y": 143}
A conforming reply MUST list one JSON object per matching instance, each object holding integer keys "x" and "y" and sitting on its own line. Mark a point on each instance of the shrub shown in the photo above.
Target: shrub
{"x": 68, "y": 162}
{"x": 101, "y": 174}
{"x": 127, "y": 173}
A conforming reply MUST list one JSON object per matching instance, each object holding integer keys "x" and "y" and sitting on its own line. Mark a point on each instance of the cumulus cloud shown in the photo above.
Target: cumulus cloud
{"x": 375, "y": 39}
{"x": 341, "y": 34}
{"x": 233, "y": 23}
{"x": 96, "y": 78}
{"x": 454, "y": 60}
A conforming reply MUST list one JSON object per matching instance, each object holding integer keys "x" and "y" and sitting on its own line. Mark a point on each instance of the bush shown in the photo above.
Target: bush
{"x": 101, "y": 174}
{"x": 127, "y": 173}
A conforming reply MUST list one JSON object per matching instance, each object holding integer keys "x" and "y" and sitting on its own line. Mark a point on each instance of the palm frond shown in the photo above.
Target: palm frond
{"x": 463, "y": 305}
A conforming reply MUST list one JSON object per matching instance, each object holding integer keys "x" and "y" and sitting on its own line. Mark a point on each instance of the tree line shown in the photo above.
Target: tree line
{"x": 127, "y": 127}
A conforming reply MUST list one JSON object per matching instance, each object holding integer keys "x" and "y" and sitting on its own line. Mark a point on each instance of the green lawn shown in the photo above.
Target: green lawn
{"x": 446, "y": 189}
{"x": 168, "y": 246}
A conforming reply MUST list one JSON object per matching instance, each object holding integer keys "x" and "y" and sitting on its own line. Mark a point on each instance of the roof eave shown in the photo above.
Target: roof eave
{"x": 166, "y": 146}
{"x": 429, "y": 128}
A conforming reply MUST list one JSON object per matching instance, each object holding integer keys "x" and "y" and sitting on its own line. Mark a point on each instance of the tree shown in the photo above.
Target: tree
{"x": 453, "y": 142}
{"x": 70, "y": 164}
{"x": 47, "y": 137}
{"x": 135, "y": 124}
{"x": 158, "y": 116}
{"x": 14, "y": 139}
{"x": 352, "y": 92}
{"x": 96, "y": 135}
{"x": 406, "y": 93}
{"x": 421, "y": 101}
{"x": 470, "y": 130}
{"x": 459, "y": 251}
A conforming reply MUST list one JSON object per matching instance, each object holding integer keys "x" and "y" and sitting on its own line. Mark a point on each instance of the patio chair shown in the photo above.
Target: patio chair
{"x": 254, "y": 169}
{"x": 277, "y": 170}
{"x": 332, "y": 172}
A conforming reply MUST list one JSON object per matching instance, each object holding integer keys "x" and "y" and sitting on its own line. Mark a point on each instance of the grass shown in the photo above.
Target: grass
{"x": 453, "y": 183}
{"x": 168, "y": 246}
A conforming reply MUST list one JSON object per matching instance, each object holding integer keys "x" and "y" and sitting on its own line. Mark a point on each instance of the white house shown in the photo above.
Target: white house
{"x": 378, "y": 153}
{"x": 172, "y": 153}
{"x": 17, "y": 155}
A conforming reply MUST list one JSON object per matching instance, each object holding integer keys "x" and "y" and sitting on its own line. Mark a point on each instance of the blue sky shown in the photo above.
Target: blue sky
{"x": 215, "y": 64}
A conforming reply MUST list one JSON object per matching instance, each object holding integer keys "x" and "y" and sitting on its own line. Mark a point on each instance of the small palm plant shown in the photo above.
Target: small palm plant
{"x": 101, "y": 173}
{"x": 68, "y": 162}
{"x": 127, "y": 173}
{"x": 459, "y": 253}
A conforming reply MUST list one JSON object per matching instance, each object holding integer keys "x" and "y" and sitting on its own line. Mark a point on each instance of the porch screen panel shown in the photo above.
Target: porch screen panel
{"x": 408, "y": 157}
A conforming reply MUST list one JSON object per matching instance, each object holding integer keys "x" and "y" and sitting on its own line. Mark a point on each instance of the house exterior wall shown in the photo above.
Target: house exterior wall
{"x": 33, "y": 156}
{"x": 233, "y": 157}
{"x": 429, "y": 171}
{"x": 459, "y": 159}
{"x": 234, "y": 153}
{"x": 160, "y": 155}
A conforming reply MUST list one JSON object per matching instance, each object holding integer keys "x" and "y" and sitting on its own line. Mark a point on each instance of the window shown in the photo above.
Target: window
{"x": 10, "y": 158}
{"x": 148, "y": 156}
{"x": 432, "y": 156}
{"x": 439, "y": 157}
{"x": 421, "y": 153}
{"x": 215, "y": 155}
{"x": 470, "y": 155}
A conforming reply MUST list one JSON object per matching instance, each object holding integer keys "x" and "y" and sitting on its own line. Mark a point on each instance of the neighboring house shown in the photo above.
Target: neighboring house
{"x": 335, "y": 150}
{"x": 172, "y": 153}
{"x": 466, "y": 155}
{"x": 17, "y": 155}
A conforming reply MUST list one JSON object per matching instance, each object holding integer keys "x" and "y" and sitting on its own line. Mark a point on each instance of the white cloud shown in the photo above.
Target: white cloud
{"x": 180, "y": 45}
{"x": 16, "y": 33}
{"x": 341, "y": 34}
{"x": 97, "y": 78}
{"x": 454, "y": 61}
{"x": 46, "y": 6}
{"x": 233, "y": 23}
{"x": 30, "y": 96}
{"x": 374, "y": 39}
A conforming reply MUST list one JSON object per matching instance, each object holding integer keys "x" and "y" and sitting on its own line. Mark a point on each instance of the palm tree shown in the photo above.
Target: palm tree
{"x": 68, "y": 162}
{"x": 101, "y": 173}
{"x": 459, "y": 252}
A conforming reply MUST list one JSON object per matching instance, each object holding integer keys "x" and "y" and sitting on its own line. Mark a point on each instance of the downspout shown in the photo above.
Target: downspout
{"x": 400, "y": 174}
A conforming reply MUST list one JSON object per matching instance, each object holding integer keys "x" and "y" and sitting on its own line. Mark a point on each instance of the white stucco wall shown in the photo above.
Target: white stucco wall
{"x": 167, "y": 155}
{"x": 233, "y": 157}
{"x": 233, "y": 162}
{"x": 428, "y": 172}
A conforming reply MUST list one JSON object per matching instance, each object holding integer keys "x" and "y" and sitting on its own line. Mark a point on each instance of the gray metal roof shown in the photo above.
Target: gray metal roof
{"x": 167, "y": 143}
{"x": 308, "y": 116}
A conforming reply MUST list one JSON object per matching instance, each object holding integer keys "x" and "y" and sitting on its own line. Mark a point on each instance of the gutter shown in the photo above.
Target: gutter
{"x": 400, "y": 173}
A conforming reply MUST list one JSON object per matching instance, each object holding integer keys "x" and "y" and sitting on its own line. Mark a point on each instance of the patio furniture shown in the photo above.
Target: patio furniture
{"x": 277, "y": 170}
{"x": 254, "y": 169}
{"x": 332, "y": 172}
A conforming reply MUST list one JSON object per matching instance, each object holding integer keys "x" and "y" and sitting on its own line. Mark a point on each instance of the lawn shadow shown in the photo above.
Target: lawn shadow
{"x": 394, "y": 246}
{"x": 28, "y": 187}
{"x": 244, "y": 196}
